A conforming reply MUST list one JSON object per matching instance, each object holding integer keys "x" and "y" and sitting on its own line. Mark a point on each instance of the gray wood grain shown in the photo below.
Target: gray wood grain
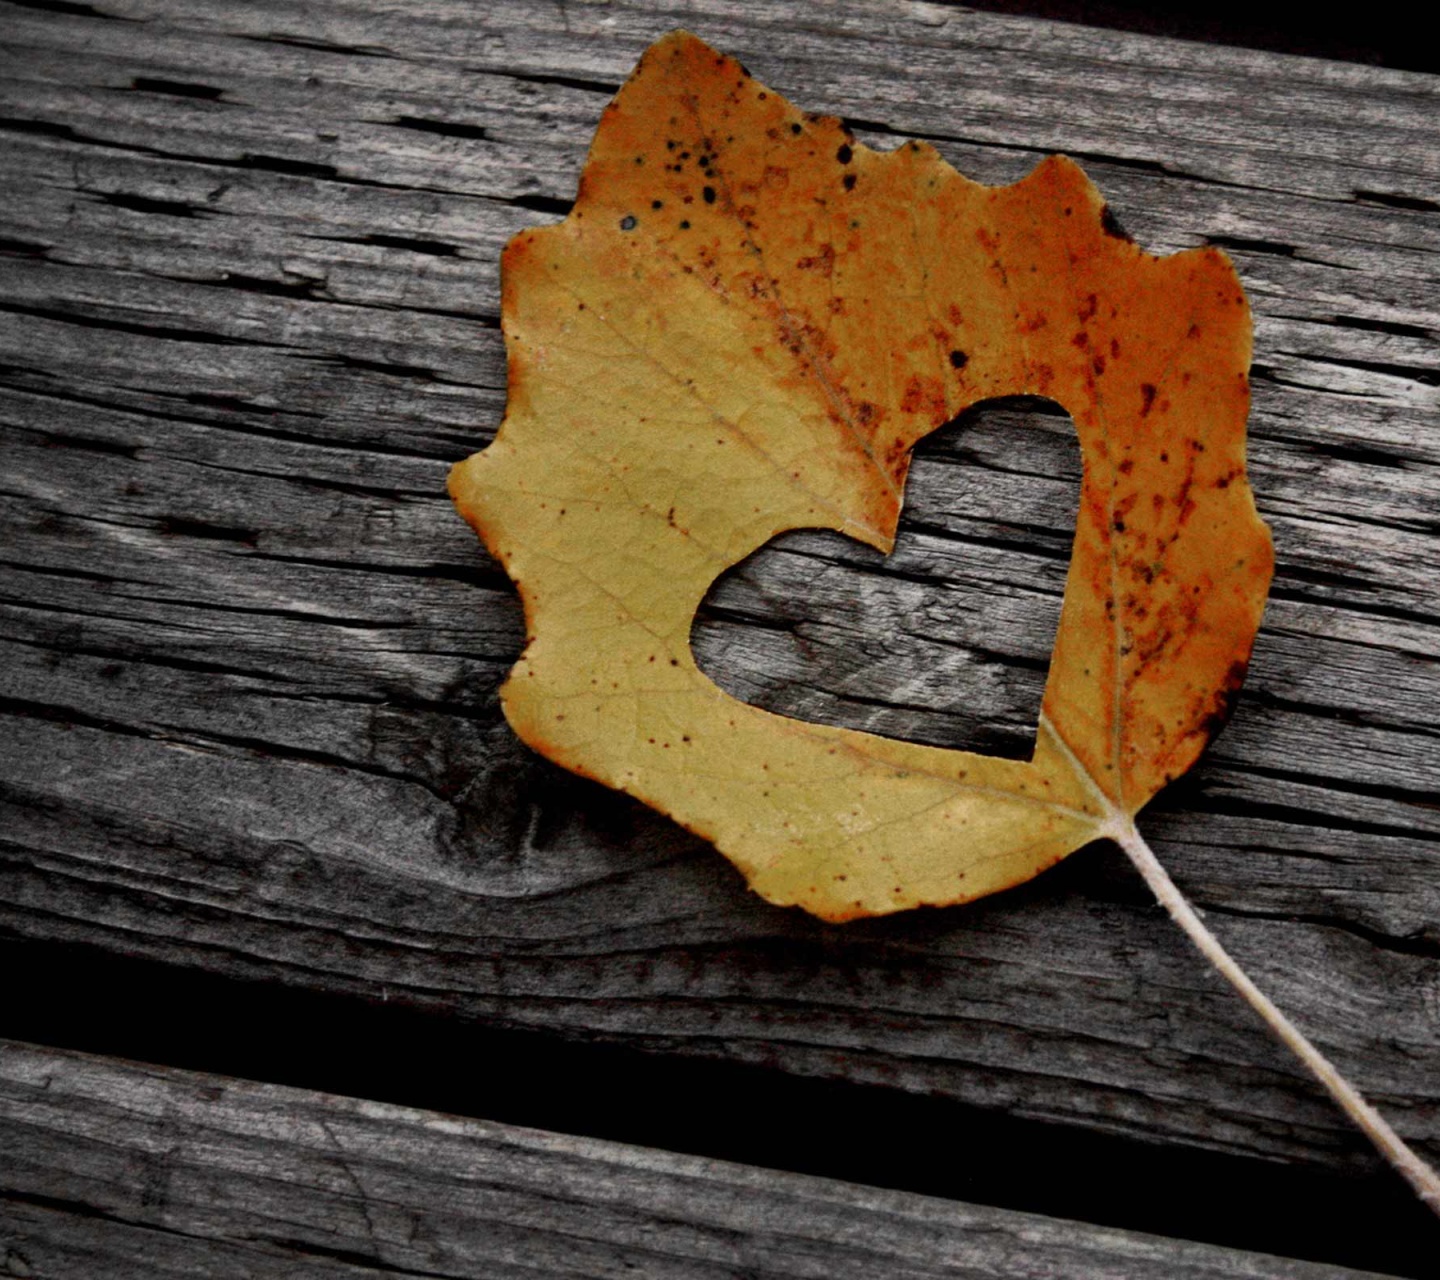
{"x": 115, "y": 1169}
{"x": 249, "y": 655}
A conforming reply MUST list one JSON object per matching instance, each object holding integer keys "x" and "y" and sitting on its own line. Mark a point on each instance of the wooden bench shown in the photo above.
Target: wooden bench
{"x": 252, "y": 758}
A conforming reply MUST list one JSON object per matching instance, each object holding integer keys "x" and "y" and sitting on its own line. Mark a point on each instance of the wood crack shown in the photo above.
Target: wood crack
{"x": 209, "y": 739}
{"x": 1415, "y": 943}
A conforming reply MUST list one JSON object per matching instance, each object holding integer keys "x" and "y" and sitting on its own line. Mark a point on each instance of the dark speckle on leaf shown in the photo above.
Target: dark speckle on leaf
{"x": 958, "y": 359}
{"x": 709, "y": 194}
{"x": 844, "y": 155}
{"x": 849, "y": 182}
{"x": 627, "y": 223}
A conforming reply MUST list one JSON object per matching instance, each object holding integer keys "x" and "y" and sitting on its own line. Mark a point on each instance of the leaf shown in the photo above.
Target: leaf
{"x": 743, "y": 327}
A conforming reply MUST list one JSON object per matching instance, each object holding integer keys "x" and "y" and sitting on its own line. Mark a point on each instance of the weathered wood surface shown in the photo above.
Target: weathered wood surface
{"x": 250, "y": 655}
{"x": 116, "y": 1169}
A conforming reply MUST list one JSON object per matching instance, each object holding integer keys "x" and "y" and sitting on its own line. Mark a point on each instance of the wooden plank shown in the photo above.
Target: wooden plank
{"x": 250, "y": 656}
{"x": 115, "y": 1169}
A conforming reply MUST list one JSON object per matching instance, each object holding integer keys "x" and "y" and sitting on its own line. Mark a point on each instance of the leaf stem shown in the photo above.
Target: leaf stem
{"x": 1415, "y": 1171}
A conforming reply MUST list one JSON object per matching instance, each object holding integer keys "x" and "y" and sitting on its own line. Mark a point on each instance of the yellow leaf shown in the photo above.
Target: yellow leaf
{"x": 743, "y": 327}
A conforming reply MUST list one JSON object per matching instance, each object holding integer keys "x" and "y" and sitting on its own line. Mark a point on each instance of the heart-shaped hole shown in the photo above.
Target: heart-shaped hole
{"x": 947, "y": 640}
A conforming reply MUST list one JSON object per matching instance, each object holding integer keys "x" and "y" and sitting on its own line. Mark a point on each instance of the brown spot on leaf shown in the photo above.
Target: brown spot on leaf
{"x": 823, "y": 261}
{"x": 923, "y": 394}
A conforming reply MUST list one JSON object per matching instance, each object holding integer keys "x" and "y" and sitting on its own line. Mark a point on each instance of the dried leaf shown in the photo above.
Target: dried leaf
{"x": 743, "y": 327}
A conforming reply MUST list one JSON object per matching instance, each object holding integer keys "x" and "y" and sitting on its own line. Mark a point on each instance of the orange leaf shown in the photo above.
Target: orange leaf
{"x": 743, "y": 327}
